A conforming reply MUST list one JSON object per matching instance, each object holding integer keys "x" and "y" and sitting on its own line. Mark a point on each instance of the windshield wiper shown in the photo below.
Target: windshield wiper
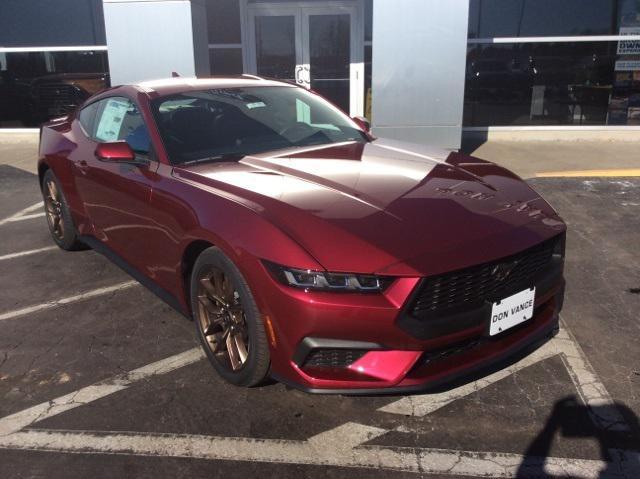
{"x": 222, "y": 157}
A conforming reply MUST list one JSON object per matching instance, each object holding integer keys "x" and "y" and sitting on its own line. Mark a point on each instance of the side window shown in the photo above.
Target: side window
{"x": 87, "y": 116}
{"x": 119, "y": 119}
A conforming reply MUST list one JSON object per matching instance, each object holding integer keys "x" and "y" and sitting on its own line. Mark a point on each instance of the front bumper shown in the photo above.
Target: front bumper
{"x": 382, "y": 354}
{"x": 486, "y": 366}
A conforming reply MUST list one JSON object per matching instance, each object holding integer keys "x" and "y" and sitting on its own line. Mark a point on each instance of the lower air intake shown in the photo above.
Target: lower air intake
{"x": 333, "y": 358}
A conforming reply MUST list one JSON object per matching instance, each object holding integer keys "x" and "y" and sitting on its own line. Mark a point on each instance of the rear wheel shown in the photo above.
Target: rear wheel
{"x": 61, "y": 226}
{"x": 227, "y": 320}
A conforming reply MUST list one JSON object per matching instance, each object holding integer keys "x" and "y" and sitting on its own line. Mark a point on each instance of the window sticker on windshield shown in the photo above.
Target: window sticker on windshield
{"x": 257, "y": 104}
{"x": 111, "y": 120}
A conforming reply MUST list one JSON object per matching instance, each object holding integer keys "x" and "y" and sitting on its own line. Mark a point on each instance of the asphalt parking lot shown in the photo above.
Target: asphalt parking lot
{"x": 99, "y": 378}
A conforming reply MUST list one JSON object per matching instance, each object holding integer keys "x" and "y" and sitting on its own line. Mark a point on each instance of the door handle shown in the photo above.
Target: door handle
{"x": 83, "y": 165}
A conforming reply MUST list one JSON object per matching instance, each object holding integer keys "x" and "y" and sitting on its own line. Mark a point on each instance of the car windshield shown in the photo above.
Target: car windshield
{"x": 222, "y": 123}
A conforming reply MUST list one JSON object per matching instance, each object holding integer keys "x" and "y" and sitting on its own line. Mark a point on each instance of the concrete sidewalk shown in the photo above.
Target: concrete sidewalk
{"x": 531, "y": 159}
{"x": 19, "y": 150}
{"x": 528, "y": 159}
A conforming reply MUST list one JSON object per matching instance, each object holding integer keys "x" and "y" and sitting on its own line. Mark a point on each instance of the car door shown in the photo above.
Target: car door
{"x": 116, "y": 195}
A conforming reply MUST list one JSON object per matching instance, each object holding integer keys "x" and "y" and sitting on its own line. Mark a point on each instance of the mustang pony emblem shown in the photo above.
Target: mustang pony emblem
{"x": 503, "y": 270}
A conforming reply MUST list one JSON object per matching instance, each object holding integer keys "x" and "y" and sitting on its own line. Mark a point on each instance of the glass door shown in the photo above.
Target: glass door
{"x": 328, "y": 53}
{"x": 275, "y": 38}
{"x": 320, "y": 48}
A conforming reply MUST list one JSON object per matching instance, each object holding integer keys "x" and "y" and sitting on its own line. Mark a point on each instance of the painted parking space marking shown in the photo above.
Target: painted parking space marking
{"x": 23, "y": 214}
{"x": 15, "y": 422}
{"x": 71, "y": 299}
{"x": 27, "y": 253}
{"x": 25, "y": 217}
{"x": 343, "y": 446}
{"x": 318, "y": 452}
{"x": 426, "y": 404}
{"x": 590, "y": 389}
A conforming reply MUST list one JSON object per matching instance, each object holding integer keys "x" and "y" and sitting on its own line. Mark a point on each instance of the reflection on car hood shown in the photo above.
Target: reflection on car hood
{"x": 386, "y": 206}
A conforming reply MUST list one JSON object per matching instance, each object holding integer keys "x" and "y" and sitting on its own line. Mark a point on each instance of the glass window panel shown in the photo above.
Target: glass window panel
{"x": 87, "y": 116}
{"x": 368, "y": 20}
{"x": 579, "y": 83}
{"x": 244, "y": 121}
{"x": 225, "y": 61}
{"x": 134, "y": 131}
{"x": 223, "y": 21}
{"x": 275, "y": 46}
{"x": 110, "y": 119}
{"x": 79, "y": 62}
{"x": 628, "y": 13}
{"x": 538, "y": 18}
{"x": 330, "y": 53}
{"x": 52, "y": 23}
{"x": 117, "y": 119}
{"x": 37, "y": 86}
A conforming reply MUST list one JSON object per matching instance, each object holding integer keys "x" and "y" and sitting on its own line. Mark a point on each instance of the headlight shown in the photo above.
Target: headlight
{"x": 326, "y": 281}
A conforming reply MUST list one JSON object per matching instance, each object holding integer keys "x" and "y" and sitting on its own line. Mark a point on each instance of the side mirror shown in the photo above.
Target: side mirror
{"x": 362, "y": 122}
{"x": 117, "y": 151}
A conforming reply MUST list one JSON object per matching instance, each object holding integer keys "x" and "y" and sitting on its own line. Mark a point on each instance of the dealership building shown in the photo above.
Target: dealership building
{"x": 425, "y": 71}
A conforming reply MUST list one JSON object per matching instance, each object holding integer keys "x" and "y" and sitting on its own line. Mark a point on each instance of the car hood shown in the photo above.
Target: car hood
{"x": 387, "y": 207}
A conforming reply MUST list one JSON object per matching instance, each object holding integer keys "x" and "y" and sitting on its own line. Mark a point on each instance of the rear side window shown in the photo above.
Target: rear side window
{"x": 86, "y": 118}
{"x": 118, "y": 118}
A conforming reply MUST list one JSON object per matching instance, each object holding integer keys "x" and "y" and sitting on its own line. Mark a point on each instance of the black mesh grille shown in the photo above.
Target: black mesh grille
{"x": 467, "y": 289}
{"x": 458, "y": 348}
{"x": 333, "y": 358}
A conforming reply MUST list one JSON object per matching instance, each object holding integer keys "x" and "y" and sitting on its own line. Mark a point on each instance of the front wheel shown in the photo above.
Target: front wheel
{"x": 227, "y": 320}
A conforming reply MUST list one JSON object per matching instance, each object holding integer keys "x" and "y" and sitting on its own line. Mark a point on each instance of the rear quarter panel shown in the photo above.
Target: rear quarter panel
{"x": 57, "y": 142}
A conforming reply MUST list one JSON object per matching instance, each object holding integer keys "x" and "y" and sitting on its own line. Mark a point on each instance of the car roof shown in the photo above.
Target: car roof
{"x": 169, "y": 86}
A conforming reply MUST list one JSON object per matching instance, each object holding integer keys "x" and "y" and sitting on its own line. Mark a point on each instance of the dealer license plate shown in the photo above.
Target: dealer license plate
{"x": 512, "y": 311}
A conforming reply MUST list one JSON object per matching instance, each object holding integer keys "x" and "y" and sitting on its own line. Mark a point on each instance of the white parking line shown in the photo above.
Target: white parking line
{"x": 25, "y": 217}
{"x": 19, "y": 420}
{"x": 311, "y": 452}
{"x": 590, "y": 389}
{"x": 427, "y": 403}
{"x": 342, "y": 446}
{"x": 22, "y": 214}
{"x": 71, "y": 299}
{"x": 26, "y": 253}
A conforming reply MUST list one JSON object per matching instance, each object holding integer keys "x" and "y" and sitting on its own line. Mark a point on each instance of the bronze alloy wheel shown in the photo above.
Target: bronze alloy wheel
{"x": 53, "y": 207}
{"x": 227, "y": 320}
{"x": 222, "y": 319}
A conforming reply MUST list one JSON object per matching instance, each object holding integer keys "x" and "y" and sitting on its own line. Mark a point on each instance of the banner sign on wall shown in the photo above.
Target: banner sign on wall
{"x": 627, "y": 66}
{"x": 629, "y": 47}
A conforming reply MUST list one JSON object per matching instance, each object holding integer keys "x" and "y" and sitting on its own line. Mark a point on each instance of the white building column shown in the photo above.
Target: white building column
{"x": 150, "y": 39}
{"x": 418, "y": 70}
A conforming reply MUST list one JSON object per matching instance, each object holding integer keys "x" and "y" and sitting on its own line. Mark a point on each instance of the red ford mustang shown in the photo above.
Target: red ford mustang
{"x": 303, "y": 247}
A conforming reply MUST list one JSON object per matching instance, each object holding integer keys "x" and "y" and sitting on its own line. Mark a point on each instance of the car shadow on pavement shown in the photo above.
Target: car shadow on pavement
{"x": 620, "y": 449}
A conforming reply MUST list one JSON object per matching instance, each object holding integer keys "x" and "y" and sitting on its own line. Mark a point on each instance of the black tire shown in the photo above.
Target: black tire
{"x": 59, "y": 219}
{"x": 255, "y": 368}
